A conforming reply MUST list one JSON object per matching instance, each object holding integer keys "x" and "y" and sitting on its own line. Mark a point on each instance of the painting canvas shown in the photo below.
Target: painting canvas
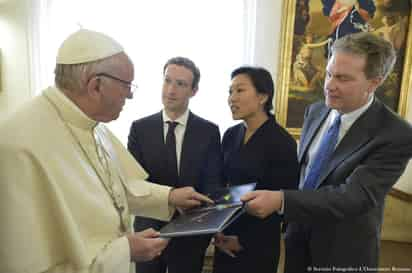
{"x": 308, "y": 30}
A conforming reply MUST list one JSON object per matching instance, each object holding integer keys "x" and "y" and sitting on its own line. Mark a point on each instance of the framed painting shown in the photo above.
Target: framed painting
{"x": 308, "y": 29}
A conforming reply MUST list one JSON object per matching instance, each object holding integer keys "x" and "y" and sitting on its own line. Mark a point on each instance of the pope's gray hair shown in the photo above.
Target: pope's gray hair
{"x": 74, "y": 77}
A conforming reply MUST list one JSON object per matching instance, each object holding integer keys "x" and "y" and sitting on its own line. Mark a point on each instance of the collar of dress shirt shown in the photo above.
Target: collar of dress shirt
{"x": 348, "y": 119}
{"x": 182, "y": 120}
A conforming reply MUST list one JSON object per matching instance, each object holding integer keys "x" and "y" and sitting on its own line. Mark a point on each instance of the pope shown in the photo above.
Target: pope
{"x": 68, "y": 186}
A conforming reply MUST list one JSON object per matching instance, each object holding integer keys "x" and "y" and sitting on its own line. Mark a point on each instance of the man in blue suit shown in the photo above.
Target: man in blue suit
{"x": 334, "y": 220}
{"x": 177, "y": 148}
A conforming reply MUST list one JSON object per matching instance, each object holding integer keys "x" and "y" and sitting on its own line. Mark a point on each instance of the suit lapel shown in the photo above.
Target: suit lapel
{"x": 158, "y": 136}
{"x": 360, "y": 133}
{"x": 309, "y": 133}
{"x": 159, "y": 127}
{"x": 188, "y": 139}
{"x": 158, "y": 131}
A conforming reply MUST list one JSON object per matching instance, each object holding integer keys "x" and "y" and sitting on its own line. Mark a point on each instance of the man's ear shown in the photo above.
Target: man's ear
{"x": 374, "y": 84}
{"x": 94, "y": 87}
{"x": 194, "y": 91}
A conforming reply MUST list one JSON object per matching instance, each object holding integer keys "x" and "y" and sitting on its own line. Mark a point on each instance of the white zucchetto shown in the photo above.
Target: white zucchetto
{"x": 87, "y": 46}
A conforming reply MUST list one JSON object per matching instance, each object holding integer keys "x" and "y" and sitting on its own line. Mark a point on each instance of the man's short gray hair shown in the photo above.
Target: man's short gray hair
{"x": 379, "y": 53}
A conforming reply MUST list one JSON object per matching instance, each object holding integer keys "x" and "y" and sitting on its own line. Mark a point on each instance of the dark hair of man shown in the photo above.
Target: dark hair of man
{"x": 379, "y": 53}
{"x": 187, "y": 63}
{"x": 261, "y": 80}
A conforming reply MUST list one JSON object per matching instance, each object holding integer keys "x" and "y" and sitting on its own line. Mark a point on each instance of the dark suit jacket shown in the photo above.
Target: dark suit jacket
{"x": 200, "y": 167}
{"x": 200, "y": 159}
{"x": 339, "y": 223}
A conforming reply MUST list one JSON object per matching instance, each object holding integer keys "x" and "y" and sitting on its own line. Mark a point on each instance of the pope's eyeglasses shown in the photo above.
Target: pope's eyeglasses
{"x": 132, "y": 87}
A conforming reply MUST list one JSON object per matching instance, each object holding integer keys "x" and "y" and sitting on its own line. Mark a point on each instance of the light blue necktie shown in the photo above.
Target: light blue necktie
{"x": 323, "y": 155}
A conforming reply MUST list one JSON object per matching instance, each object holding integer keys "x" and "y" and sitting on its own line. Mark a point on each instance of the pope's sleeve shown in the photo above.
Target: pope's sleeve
{"x": 149, "y": 200}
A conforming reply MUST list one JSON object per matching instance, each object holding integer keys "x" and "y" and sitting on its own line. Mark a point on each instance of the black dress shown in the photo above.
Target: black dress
{"x": 270, "y": 159}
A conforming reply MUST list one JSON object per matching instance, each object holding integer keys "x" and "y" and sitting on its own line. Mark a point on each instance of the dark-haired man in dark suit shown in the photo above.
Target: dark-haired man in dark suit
{"x": 177, "y": 148}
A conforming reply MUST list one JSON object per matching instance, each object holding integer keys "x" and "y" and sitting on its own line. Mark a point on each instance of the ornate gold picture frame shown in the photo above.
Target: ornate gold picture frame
{"x": 303, "y": 51}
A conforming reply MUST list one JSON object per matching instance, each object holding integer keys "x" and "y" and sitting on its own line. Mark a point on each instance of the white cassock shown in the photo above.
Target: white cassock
{"x": 68, "y": 187}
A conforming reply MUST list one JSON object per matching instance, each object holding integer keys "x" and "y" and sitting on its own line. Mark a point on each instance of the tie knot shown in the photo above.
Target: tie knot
{"x": 336, "y": 122}
{"x": 172, "y": 125}
{"x": 338, "y": 118}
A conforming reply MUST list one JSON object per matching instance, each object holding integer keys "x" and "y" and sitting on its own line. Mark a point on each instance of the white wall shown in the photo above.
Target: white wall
{"x": 267, "y": 37}
{"x": 14, "y": 48}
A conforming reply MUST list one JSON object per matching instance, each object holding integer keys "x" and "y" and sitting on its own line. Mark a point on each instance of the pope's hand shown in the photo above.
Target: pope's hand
{"x": 263, "y": 203}
{"x": 146, "y": 245}
{"x": 187, "y": 198}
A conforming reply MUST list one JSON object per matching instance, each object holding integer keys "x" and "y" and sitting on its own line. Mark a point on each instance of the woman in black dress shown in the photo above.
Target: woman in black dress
{"x": 256, "y": 150}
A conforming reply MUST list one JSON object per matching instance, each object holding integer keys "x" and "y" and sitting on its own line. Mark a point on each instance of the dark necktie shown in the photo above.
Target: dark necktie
{"x": 323, "y": 155}
{"x": 171, "y": 153}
